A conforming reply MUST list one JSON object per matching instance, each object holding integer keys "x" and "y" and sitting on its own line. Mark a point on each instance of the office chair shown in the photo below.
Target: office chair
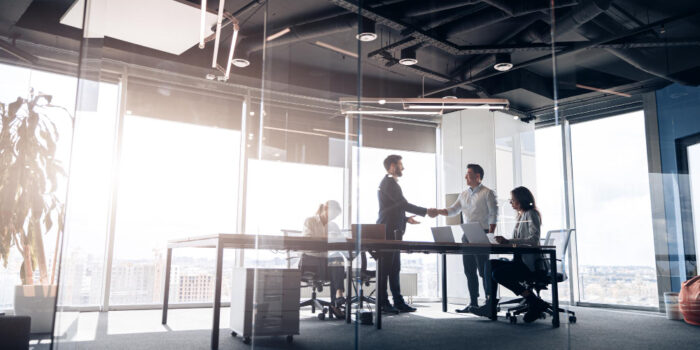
{"x": 314, "y": 274}
{"x": 366, "y": 277}
{"x": 541, "y": 279}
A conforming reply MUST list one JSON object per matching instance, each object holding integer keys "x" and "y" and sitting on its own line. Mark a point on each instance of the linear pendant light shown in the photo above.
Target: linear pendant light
{"x": 219, "y": 19}
{"x": 202, "y": 24}
{"x": 230, "y": 53}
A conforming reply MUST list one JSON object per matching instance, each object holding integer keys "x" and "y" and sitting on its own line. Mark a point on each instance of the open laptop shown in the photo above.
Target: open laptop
{"x": 443, "y": 234}
{"x": 370, "y": 231}
{"x": 474, "y": 233}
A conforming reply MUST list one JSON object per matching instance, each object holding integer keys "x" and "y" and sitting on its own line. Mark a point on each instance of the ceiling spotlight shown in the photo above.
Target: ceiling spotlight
{"x": 210, "y": 76}
{"x": 515, "y": 117}
{"x": 366, "y": 31}
{"x": 381, "y": 102}
{"x": 240, "y": 62}
{"x": 389, "y": 129}
{"x": 502, "y": 62}
{"x": 449, "y": 97}
{"x": 408, "y": 57}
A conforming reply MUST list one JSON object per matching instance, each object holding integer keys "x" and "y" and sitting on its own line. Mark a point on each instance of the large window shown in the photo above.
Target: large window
{"x": 176, "y": 180}
{"x": 613, "y": 213}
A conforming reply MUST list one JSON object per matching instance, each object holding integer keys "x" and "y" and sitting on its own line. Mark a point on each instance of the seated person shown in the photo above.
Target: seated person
{"x": 321, "y": 225}
{"x": 511, "y": 274}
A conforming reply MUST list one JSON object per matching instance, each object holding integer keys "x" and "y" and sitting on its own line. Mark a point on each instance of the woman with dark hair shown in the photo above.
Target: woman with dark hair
{"x": 511, "y": 274}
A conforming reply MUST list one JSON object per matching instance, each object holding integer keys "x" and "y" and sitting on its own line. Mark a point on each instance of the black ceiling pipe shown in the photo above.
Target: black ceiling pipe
{"x": 422, "y": 8}
{"x": 515, "y": 8}
{"x": 652, "y": 64}
{"x": 478, "y": 20}
{"x": 298, "y": 33}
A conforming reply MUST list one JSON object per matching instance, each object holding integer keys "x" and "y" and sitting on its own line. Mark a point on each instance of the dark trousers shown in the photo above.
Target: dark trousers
{"x": 336, "y": 273}
{"x": 472, "y": 263}
{"x": 510, "y": 274}
{"x": 390, "y": 269}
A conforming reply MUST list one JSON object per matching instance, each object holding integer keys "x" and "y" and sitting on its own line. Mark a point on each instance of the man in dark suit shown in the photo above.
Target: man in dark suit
{"x": 392, "y": 213}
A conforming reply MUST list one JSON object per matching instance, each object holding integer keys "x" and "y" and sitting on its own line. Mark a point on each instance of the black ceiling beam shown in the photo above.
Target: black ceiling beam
{"x": 486, "y": 49}
{"x": 406, "y": 29}
{"x": 576, "y": 48}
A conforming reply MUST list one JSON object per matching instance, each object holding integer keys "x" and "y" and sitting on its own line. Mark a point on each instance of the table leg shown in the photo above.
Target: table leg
{"x": 217, "y": 295}
{"x": 444, "y": 282}
{"x": 493, "y": 290}
{"x": 555, "y": 288}
{"x": 348, "y": 293}
{"x": 166, "y": 286}
{"x": 380, "y": 292}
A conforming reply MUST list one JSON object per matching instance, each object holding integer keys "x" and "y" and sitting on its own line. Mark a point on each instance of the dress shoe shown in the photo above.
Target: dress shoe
{"x": 467, "y": 309}
{"x": 535, "y": 307}
{"x": 403, "y": 307}
{"x": 483, "y": 311}
{"x": 388, "y": 309}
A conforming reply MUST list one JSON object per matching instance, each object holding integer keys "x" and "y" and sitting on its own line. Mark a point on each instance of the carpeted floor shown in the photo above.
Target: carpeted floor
{"x": 427, "y": 328}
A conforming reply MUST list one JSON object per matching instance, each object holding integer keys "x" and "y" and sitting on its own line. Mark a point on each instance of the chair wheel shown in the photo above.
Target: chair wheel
{"x": 290, "y": 339}
{"x": 234, "y": 334}
{"x": 246, "y": 340}
{"x": 572, "y": 319}
{"x": 321, "y": 316}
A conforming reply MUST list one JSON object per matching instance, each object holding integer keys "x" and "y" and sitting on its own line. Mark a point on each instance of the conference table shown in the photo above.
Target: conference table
{"x": 273, "y": 242}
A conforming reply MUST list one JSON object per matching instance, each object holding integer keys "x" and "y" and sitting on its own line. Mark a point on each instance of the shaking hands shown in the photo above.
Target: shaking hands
{"x": 432, "y": 212}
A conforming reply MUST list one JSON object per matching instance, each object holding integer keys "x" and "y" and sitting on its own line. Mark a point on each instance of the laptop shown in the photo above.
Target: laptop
{"x": 474, "y": 233}
{"x": 443, "y": 234}
{"x": 370, "y": 231}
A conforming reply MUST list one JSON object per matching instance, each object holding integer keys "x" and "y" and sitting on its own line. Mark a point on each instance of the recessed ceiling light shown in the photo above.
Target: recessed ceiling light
{"x": 502, "y": 62}
{"x": 252, "y": 113}
{"x": 210, "y": 76}
{"x": 381, "y": 102}
{"x": 366, "y": 37}
{"x": 240, "y": 62}
{"x": 389, "y": 129}
{"x": 408, "y": 57}
{"x": 367, "y": 30}
{"x": 515, "y": 117}
{"x": 503, "y": 66}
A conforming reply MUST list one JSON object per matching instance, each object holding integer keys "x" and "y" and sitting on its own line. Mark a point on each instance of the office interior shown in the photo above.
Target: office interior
{"x": 164, "y": 121}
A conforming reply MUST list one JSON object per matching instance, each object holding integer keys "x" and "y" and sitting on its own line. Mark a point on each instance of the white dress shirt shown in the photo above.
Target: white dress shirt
{"x": 314, "y": 227}
{"x": 477, "y": 204}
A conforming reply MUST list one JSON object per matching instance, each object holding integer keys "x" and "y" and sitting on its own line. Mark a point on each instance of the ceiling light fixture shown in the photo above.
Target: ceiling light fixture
{"x": 394, "y": 112}
{"x": 295, "y": 131}
{"x": 389, "y": 129}
{"x": 336, "y": 49}
{"x": 408, "y": 57}
{"x": 502, "y": 62}
{"x": 335, "y": 132}
{"x": 241, "y": 62}
{"x": 278, "y": 34}
{"x": 454, "y": 107}
{"x": 219, "y": 19}
{"x": 421, "y": 106}
{"x": 202, "y": 24}
{"x": 233, "y": 47}
{"x": 366, "y": 31}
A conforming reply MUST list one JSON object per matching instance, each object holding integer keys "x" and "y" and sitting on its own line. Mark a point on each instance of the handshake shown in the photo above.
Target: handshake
{"x": 433, "y": 212}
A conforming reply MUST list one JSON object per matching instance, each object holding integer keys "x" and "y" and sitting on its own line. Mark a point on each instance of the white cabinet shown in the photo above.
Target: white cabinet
{"x": 266, "y": 304}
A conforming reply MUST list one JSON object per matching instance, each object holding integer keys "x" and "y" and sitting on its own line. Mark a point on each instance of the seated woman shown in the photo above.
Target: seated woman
{"x": 321, "y": 225}
{"x": 511, "y": 274}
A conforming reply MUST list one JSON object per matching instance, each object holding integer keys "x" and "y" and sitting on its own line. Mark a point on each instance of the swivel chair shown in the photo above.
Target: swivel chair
{"x": 314, "y": 274}
{"x": 541, "y": 279}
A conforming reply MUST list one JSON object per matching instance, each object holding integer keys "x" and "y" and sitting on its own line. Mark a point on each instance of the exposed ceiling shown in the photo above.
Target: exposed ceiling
{"x": 623, "y": 46}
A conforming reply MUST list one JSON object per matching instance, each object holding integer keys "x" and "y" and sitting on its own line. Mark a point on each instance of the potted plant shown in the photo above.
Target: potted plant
{"x": 29, "y": 203}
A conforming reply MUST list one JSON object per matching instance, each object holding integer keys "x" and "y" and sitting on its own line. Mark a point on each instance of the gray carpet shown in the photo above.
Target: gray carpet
{"x": 427, "y": 328}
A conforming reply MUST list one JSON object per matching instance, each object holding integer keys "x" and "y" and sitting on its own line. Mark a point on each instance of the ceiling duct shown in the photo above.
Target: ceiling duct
{"x": 517, "y": 8}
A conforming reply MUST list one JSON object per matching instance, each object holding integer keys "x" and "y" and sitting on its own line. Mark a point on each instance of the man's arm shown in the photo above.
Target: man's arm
{"x": 454, "y": 209}
{"x": 492, "y": 205}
